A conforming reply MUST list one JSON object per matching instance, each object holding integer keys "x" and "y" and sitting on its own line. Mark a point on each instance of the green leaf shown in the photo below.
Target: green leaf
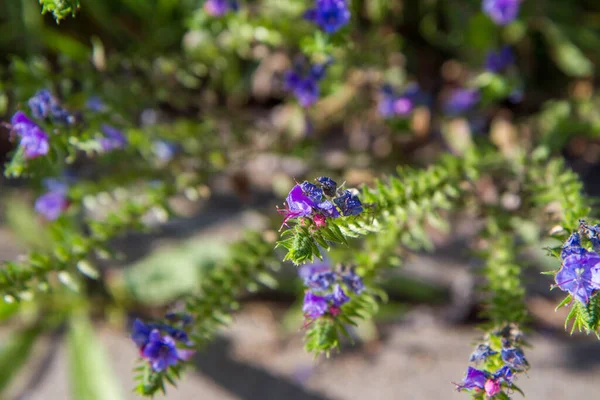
{"x": 15, "y": 353}
{"x": 91, "y": 375}
{"x": 567, "y": 56}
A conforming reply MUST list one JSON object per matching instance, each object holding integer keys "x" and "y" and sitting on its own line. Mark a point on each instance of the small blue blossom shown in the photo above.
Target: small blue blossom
{"x": 52, "y": 204}
{"x": 328, "y": 209}
{"x": 162, "y": 352}
{"x": 461, "y": 101}
{"x": 390, "y": 104}
{"x": 306, "y": 271}
{"x": 505, "y": 374}
{"x": 297, "y": 205}
{"x": 502, "y": 12}
{"x": 218, "y": 8}
{"x": 43, "y": 104}
{"x": 312, "y": 191}
{"x": 474, "y": 379}
{"x": 178, "y": 334}
{"x": 314, "y": 305}
{"x": 572, "y": 246}
{"x": 140, "y": 332}
{"x": 95, "y": 104}
{"x": 481, "y": 353}
{"x": 514, "y": 358}
{"x": 320, "y": 281}
{"x": 580, "y": 275}
{"x": 113, "y": 138}
{"x": 338, "y": 297}
{"x": 498, "y": 61}
{"x": 305, "y": 87}
{"x": 348, "y": 203}
{"x": 353, "y": 281}
{"x": 328, "y": 185}
{"x": 34, "y": 140}
{"x": 329, "y": 15}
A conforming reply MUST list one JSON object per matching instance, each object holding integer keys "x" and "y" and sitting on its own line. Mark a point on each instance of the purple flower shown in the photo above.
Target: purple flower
{"x": 572, "y": 246}
{"x": 328, "y": 185}
{"x": 312, "y": 191}
{"x": 481, "y": 353}
{"x": 140, "y": 333}
{"x": 514, "y": 358}
{"x": 95, "y": 103}
{"x": 320, "y": 281}
{"x": 113, "y": 138}
{"x": 34, "y": 140}
{"x": 579, "y": 275}
{"x": 297, "y": 205}
{"x": 218, "y": 8}
{"x": 314, "y": 305}
{"x": 504, "y": 374}
{"x": 328, "y": 209}
{"x": 338, "y": 297}
{"x": 461, "y": 100}
{"x": 475, "y": 379}
{"x": 305, "y": 87}
{"x": 44, "y": 104}
{"x": 498, "y": 61}
{"x": 308, "y": 270}
{"x": 51, "y": 205}
{"x": 502, "y": 12}
{"x": 353, "y": 281}
{"x": 390, "y": 104}
{"x": 178, "y": 334}
{"x": 329, "y": 15}
{"x": 161, "y": 351}
{"x": 348, "y": 203}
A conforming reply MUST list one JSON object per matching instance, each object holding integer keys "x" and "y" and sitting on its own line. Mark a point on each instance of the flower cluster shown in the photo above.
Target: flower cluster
{"x": 502, "y": 12}
{"x": 113, "y": 138}
{"x": 580, "y": 271}
{"x": 44, "y": 104}
{"x": 33, "y": 140}
{"x": 305, "y": 86}
{"x": 325, "y": 294}
{"x": 157, "y": 342}
{"x": 499, "y": 60}
{"x": 461, "y": 101}
{"x": 54, "y": 202}
{"x": 320, "y": 201}
{"x": 498, "y": 359}
{"x": 329, "y": 15}
{"x": 218, "y": 8}
{"x": 393, "y": 105}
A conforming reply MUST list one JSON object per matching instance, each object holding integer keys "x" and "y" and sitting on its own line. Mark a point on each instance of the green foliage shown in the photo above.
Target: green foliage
{"x": 15, "y": 352}
{"x": 91, "y": 375}
{"x": 60, "y": 9}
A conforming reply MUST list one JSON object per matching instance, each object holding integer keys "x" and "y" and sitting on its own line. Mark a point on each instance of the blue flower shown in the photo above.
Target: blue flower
{"x": 314, "y": 305}
{"x": 52, "y": 204}
{"x": 113, "y": 138}
{"x": 162, "y": 352}
{"x": 305, "y": 87}
{"x": 353, "y": 281}
{"x": 580, "y": 275}
{"x": 178, "y": 334}
{"x": 498, "y": 61}
{"x": 321, "y": 280}
{"x": 348, "y": 203}
{"x": 306, "y": 271}
{"x": 390, "y": 104}
{"x": 505, "y": 374}
{"x": 34, "y": 140}
{"x": 329, "y": 15}
{"x": 593, "y": 233}
{"x": 482, "y": 352}
{"x": 297, "y": 205}
{"x": 461, "y": 100}
{"x": 44, "y": 104}
{"x": 474, "y": 379}
{"x": 502, "y": 12}
{"x": 95, "y": 103}
{"x": 514, "y": 358}
{"x": 218, "y": 8}
{"x": 140, "y": 332}
{"x": 338, "y": 297}
{"x": 572, "y": 246}
{"x": 312, "y": 191}
{"x": 328, "y": 185}
{"x": 328, "y": 209}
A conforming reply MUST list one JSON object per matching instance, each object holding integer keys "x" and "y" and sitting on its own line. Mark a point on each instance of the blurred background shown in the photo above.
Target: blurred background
{"x": 211, "y": 90}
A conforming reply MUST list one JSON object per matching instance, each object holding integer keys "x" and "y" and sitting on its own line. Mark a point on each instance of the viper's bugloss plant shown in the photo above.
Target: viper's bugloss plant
{"x": 423, "y": 114}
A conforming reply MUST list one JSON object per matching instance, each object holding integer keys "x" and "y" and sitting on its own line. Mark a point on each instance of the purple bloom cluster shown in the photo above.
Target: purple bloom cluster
{"x": 305, "y": 86}
{"x": 113, "y": 138}
{"x": 502, "y": 12}
{"x": 43, "y": 105}
{"x": 329, "y": 15}
{"x": 393, "y": 105}
{"x": 54, "y": 202}
{"x": 325, "y": 294}
{"x": 461, "y": 101}
{"x": 499, "y": 60}
{"x": 33, "y": 139}
{"x": 320, "y": 201}
{"x": 482, "y": 379}
{"x": 157, "y": 343}
{"x": 218, "y": 8}
{"x": 580, "y": 271}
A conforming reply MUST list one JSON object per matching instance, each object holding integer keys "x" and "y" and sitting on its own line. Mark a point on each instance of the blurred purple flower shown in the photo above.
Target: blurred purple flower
{"x": 218, "y": 8}
{"x": 338, "y": 297}
{"x": 502, "y": 12}
{"x": 33, "y": 139}
{"x": 44, "y": 104}
{"x": 305, "y": 87}
{"x": 497, "y": 61}
{"x": 113, "y": 138}
{"x": 297, "y": 205}
{"x": 514, "y": 358}
{"x": 461, "y": 100}
{"x": 481, "y": 353}
{"x": 165, "y": 151}
{"x": 576, "y": 277}
{"x": 329, "y": 15}
{"x": 51, "y": 205}
{"x": 95, "y": 103}
{"x": 161, "y": 351}
{"x": 475, "y": 379}
{"x": 390, "y": 104}
{"x": 353, "y": 281}
{"x": 140, "y": 332}
{"x": 314, "y": 305}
